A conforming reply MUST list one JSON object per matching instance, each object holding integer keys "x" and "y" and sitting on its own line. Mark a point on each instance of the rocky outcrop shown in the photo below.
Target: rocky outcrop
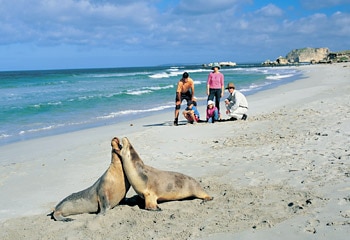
{"x": 282, "y": 61}
{"x": 342, "y": 56}
{"x": 227, "y": 64}
{"x": 222, "y": 64}
{"x": 279, "y": 61}
{"x": 307, "y": 55}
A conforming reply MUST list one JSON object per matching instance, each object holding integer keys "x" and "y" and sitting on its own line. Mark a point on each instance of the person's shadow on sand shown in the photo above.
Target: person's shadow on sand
{"x": 169, "y": 123}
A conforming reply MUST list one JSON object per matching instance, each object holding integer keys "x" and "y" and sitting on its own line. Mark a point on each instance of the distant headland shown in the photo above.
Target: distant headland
{"x": 310, "y": 56}
{"x": 298, "y": 56}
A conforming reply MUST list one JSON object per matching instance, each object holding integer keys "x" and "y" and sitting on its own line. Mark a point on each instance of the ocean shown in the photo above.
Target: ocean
{"x": 41, "y": 103}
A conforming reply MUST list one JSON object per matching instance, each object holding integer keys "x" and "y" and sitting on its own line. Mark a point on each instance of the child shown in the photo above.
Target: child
{"x": 191, "y": 113}
{"x": 212, "y": 112}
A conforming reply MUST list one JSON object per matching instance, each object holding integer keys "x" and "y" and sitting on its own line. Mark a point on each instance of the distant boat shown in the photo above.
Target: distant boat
{"x": 222, "y": 64}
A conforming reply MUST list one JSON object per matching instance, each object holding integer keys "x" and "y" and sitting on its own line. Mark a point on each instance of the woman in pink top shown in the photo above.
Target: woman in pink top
{"x": 215, "y": 86}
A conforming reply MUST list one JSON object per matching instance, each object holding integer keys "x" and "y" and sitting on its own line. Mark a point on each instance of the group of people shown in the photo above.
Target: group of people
{"x": 236, "y": 103}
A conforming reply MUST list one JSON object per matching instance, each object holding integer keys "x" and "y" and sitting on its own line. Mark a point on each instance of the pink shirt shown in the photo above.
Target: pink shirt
{"x": 210, "y": 112}
{"x": 215, "y": 80}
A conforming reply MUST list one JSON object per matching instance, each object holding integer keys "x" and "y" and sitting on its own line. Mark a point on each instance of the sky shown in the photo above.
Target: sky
{"x": 69, "y": 34}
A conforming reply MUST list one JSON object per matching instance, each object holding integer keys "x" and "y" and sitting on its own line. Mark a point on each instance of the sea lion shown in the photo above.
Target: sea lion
{"x": 155, "y": 185}
{"x": 104, "y": 194}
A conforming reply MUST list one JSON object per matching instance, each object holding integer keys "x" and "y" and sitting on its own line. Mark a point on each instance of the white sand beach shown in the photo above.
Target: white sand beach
{"x": 282, "y": 174}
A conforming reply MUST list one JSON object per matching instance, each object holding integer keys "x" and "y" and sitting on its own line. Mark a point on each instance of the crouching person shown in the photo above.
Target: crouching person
{"x": 191, "y": 112}
{"x": 212, "y": 112}
{"x": 236, "y": 104}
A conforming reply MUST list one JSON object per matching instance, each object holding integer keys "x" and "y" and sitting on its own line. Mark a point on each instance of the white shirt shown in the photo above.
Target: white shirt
{"x": 237, "y": 99}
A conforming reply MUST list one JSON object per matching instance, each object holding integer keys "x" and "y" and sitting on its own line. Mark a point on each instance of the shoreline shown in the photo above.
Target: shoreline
{"x": 283, "y": 172}
{"x": 118, "y": 115}
{"x": 134, "y": 125}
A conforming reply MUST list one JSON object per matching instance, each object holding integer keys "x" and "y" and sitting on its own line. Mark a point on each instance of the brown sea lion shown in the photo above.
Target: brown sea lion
{"x": 104, "y": 194}
{"x": 155, "y": 185}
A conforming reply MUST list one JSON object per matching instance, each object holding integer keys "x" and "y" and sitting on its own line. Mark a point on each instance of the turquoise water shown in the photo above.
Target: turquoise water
{"x": 41, "y": 103}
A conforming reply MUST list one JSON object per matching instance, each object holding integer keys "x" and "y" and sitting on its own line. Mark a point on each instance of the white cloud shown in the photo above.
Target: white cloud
{"x": 340, "y": 26}
{"x": 69, "y": 20}
{"x": 318, "y": 4}
{"x": 206, "y": 7}
{"x": 199, "y": 28}
{"x": 270, "y": 11}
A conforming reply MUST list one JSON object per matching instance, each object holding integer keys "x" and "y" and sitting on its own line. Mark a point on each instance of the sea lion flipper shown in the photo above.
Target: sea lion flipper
{"x": 151, "y": 203}
{"x": 153, "y": 208}
{"x": 57, "y": 216}
{"x": 104, "y": 204}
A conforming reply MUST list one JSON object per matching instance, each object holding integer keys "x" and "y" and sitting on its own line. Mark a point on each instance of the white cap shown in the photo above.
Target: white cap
{"x": 211, "y": 102}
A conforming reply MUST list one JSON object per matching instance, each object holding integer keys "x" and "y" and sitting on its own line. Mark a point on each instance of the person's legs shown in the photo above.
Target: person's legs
{"x": 177, "y": 109}
{"x": 216, "y": 115}
{"x": 178, "y": 102}
{"x": 238, "y": 113}
{"x": 217, "y": 98}
{"x": 185, "y": 114}
{"x": 189, "y": 116}
{"x": 196, "y": 118}
{"x": 211, "y": 94}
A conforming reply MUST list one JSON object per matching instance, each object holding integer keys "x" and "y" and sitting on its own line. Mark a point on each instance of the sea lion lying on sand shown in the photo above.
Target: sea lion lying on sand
{"x": 104, "y": 194}
{"x": 155, "y": 185}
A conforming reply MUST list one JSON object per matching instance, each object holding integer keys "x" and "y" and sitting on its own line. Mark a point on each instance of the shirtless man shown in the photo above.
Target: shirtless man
{"x": 185, "y": 90}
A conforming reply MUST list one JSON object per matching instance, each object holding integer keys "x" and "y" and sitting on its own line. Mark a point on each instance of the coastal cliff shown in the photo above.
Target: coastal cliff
{"x": 307, "y": 55}
{"x": 310, "y": 55}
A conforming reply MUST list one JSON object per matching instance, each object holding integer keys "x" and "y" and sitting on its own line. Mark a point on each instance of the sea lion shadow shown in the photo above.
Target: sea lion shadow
{"x": 136, "y": 200}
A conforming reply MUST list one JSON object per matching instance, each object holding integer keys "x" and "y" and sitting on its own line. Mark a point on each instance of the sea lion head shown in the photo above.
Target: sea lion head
{"x": 125, "y": 151}
{"x": 128, "y": 152}
{"x": 125, "y": 141}
{"x": 116, "y": 146}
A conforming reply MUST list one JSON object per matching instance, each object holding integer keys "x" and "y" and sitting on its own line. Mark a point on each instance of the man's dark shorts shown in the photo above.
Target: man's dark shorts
{"x": 187, "y": 96}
